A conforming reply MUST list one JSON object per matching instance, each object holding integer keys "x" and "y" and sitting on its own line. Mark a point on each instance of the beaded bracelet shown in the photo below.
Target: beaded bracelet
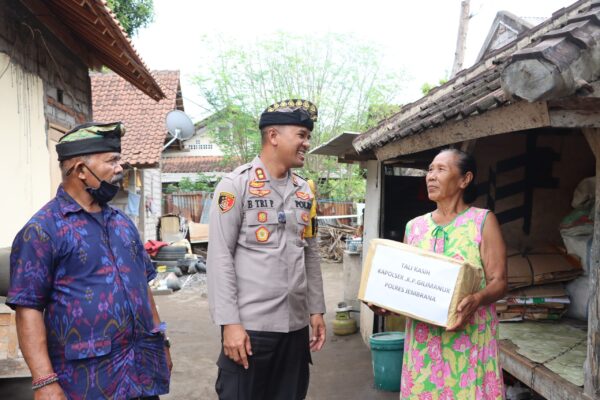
{"x": 44, "y": 381}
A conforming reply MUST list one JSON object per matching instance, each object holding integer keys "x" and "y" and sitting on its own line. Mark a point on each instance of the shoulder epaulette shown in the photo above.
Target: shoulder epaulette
{"x": 242, "y": 168}
{"x": 301, "y": 177}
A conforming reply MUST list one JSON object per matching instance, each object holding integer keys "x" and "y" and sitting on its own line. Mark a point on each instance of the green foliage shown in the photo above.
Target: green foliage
{"x": 132, "y": 14}
{"x": 339, "y": 73}
{"x": 426, "y": 87}
{"x": 235, "y": 133}
{"x": 349, "y": 187}
{"x": 202, "y": 183}
{"x": 378, "y": 112}
{"x": 171, "y": 188}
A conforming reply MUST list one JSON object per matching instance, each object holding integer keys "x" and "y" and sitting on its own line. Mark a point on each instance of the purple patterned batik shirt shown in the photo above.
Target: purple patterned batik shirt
{"x": 91, "y": 282}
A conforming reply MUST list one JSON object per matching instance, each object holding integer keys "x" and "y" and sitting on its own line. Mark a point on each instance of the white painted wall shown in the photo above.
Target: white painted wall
{"x": 151, "y": 203}
{"x": 24, "y": 155}
{"x": 201, "y": 144}
{"x": 371, "y": 231}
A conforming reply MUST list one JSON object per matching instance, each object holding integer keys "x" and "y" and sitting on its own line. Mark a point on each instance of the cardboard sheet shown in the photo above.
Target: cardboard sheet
{"x": 541, "y": 267}
{"x": 545, "y": 302}
{"x": 198, "y": 232}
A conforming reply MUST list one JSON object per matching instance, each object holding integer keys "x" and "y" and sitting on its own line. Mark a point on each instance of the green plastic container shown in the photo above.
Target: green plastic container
{"x": 387, "y": 349}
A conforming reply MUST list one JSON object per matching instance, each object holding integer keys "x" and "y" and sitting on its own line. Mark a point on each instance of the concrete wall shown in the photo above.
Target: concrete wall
{"x": 30, "y": 81}
{"x": 151, "y": 203}
{"x": 147, "y": 184}
{"x": 30, "y": 45}
{"x": 371, "y": 231}
{"x": 24, "y": 155}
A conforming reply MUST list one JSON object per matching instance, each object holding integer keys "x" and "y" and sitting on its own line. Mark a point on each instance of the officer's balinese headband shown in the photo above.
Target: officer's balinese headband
{"x": 90, "y": 138}
{"x": 290, "y": 112}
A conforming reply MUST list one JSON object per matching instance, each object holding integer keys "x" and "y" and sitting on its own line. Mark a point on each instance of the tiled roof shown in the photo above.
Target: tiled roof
{"x": 472, "y": 91}
{"x": 194, "y": 164}
{"x": 91, "y": 30}
{"x": 114, "y": 99}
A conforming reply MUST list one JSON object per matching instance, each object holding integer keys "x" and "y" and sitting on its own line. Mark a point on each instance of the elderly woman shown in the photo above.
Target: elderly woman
{"x": 460, "y": 362}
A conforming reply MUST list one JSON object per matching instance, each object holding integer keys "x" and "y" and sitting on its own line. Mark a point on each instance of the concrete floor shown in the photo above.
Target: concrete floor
{"x": 342, "y": 370}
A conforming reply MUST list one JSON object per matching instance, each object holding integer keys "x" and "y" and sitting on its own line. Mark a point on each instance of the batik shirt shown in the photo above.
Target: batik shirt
{"x": 90, "y": 281}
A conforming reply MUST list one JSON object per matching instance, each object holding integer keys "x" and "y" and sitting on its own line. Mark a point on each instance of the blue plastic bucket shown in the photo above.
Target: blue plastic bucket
{"x": 387, "y": 350}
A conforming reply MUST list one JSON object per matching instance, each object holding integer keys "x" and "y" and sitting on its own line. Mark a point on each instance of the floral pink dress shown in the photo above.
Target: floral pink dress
{"x": 440, "y": 365}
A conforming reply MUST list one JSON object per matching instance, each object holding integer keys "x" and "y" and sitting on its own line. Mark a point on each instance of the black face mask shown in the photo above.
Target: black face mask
{"x": 105, "y": 192}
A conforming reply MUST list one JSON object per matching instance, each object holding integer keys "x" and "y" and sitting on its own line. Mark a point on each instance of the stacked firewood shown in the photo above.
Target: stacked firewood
{"x": 332, "y": 241}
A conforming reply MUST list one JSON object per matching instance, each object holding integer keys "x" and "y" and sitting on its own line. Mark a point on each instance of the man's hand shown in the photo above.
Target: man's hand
{"x": 52, "y": 391}
{"x": 236, "y": 344}
{"x": 319, "y": 330}
{"x": 466, "y": 308}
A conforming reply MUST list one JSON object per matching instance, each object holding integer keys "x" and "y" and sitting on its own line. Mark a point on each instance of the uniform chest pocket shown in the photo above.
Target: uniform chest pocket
{"x": 261, "y": 228}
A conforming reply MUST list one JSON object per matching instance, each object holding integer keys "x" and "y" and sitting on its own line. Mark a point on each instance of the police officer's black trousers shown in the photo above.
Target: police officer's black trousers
{"x": 278, "y": 368}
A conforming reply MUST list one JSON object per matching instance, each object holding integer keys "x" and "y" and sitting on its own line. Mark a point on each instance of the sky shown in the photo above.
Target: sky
{"x": 417, "y": 37}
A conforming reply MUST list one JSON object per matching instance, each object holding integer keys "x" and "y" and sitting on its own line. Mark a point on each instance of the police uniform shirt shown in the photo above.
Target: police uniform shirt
{"x": 262, "y": 272}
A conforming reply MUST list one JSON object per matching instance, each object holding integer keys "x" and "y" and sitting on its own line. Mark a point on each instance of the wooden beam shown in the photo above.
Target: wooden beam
{"x": 592, "y": 362}
{"x": 351, "y": 157}
{"x": 536, "y": 376}
{"x": 516, "y": 117}
{"x": 57, "y": 28}
{"x": 575, "y": 112}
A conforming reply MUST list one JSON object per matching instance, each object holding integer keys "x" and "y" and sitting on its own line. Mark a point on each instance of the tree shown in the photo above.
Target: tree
{"x": 132, "y": 14}
{"x": 339, "y": 73}
{"x": 461, "y": 40}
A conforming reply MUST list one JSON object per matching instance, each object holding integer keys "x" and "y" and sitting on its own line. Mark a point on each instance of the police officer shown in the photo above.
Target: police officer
{"x": 264, "y": 276}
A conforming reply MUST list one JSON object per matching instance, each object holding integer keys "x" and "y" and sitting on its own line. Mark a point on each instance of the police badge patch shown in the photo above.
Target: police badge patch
{"x": 262, "y": 217}
{"x": 303, "y": 195}
{"x": 262, "y": 234}
{"x": 256, "y": 184}
{"x": 260, "y": 174}
{"x": 226, "y": 201}
{"x": 259, "y": 192}
{"x": 305, "y": 217}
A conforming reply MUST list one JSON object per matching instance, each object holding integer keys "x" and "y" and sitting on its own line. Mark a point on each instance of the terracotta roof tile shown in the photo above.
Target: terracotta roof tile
{"x": 114, "y": 99}
{"x": 194, "y": 164}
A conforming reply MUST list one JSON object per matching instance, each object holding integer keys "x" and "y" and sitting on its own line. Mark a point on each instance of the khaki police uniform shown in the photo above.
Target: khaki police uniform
{"x": 262, "y": 271}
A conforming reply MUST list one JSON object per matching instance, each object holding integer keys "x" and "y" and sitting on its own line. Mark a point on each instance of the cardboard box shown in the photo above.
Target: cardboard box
{"x": 419, "y": 284}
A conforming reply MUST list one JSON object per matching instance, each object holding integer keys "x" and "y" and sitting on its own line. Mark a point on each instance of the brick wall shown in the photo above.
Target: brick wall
{"x": 67, "y": 91}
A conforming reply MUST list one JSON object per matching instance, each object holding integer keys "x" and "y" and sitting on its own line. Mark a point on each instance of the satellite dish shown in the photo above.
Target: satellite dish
{"x": 179, "y": 125}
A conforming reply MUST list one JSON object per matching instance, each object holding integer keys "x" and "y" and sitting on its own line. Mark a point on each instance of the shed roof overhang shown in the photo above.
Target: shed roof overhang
{"x": 341, "y": 147}
{"x": 487, "y": 99}
{"x": 91, "y": 31}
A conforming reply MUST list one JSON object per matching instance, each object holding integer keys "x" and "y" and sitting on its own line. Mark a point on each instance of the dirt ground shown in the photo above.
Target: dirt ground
{"x": 342, "y": 370}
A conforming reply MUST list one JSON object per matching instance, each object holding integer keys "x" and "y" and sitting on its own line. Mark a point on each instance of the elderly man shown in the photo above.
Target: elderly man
{"x": 86, "y": 320}
{"x": 264, "y": 276}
